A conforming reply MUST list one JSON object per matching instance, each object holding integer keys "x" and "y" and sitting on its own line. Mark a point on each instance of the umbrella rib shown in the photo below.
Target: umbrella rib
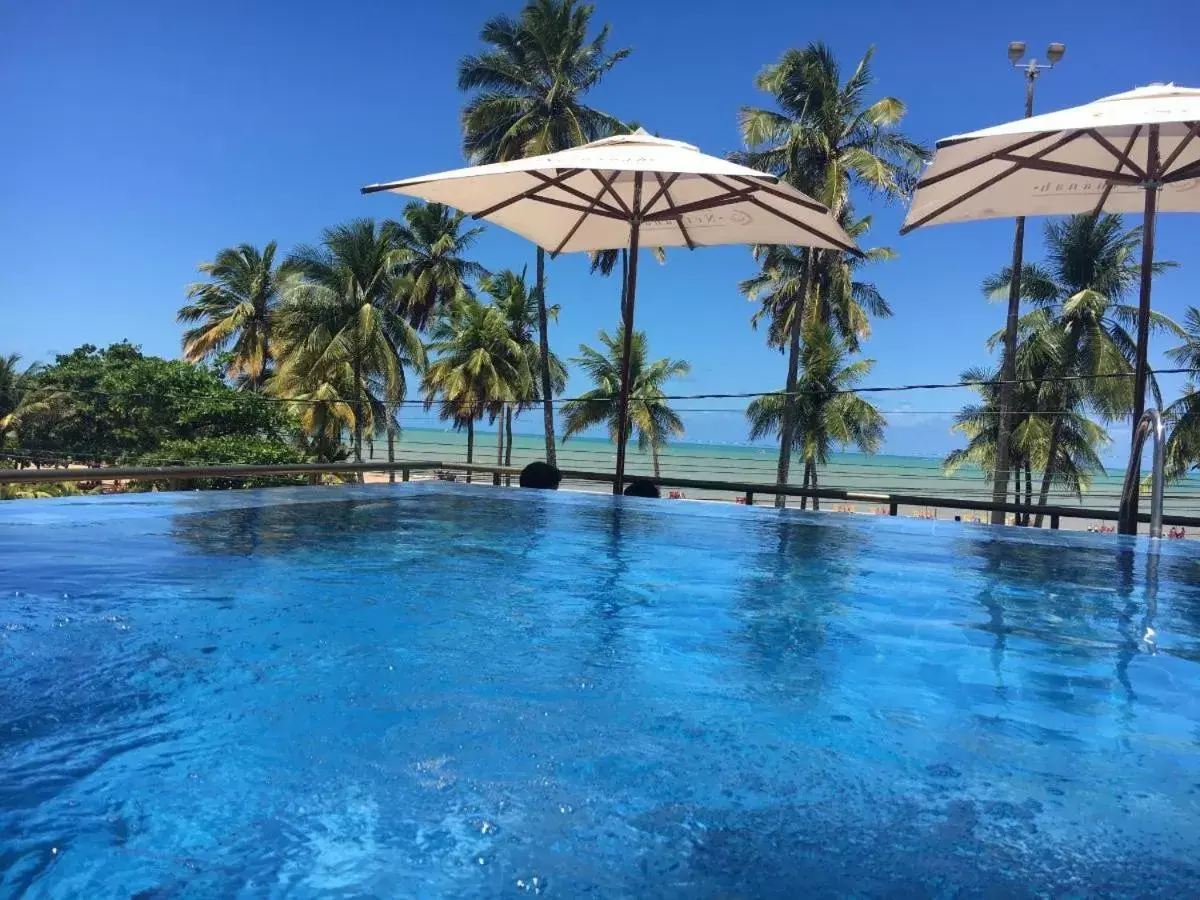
{"x": 1192, "y": 132}
{"x": 546, "y": 182}
{"x": 608, "y": 187}
{"x": 1122, "y": 158}
{"x": 1062, "y": 168}
{"x": 576, "y": 192}
{"x": 812, "y": 205}
{"x": 1191, "y": 170}
{"x": 732, "y": 195}
{"x": 666, "y": 194}
{"x": 1109, "y": 185}
{"x": 778, "y": 213}
{"x": 647, "y": 208}
{"x": 986, "y": 158}
{"x": 984, "y": 185}
{"x": 604, "y": 184}
{"x": 575, "y": 207}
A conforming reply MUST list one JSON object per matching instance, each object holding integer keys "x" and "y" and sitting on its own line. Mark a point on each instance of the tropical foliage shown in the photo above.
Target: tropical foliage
{"x": 343, "y": 329}
{"x": 434, "y": 245}
{"x": 233, "y": 311}
{"x": 118, "y": 406}
{"x": 829, "y": 413}
{"x": 1183, "y": 416}
{"x": 511, "y": 295}
{"x": 1075, "y": 353}
{"x": 650, "y": 416}
{"x": 481, "y": 367}
{"x": 822, "y": 136}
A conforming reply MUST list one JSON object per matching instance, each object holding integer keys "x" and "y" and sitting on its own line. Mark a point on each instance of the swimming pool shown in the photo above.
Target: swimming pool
{"x": 465, "y": 691}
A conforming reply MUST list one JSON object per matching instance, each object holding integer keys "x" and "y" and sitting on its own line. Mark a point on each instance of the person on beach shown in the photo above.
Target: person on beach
{"x": 541, "y": 475}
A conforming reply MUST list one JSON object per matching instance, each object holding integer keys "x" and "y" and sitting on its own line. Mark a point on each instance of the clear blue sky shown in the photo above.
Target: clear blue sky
{"x": 142, "y": 137}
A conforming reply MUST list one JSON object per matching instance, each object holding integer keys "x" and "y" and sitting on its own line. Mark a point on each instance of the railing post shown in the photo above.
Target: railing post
{"x": 893, "y": 508}
{"x": 495, "y": 479}
{"x": 749, "y": 498}
{"x": 404, "y": 474}
{"x": 1054, "y": 521}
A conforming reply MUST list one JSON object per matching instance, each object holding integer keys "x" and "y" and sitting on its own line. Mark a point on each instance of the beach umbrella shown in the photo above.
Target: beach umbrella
{"x": 1136, "y": 151}
{"x": 625, "y": 191}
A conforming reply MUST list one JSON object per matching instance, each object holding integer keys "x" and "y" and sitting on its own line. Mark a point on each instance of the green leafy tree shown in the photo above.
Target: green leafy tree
{"x": 479, "y": 367}
{"x": 650, "y": 415}
{"x": 234, "y": 311}
{"x": 343, "y": 329}
{"x": 828, "y": 412}
{"x": 117, "y": 406}
{"x": 435, "y": 245}
{"x": 528, "y": 88}
{"x": 822, "y": 136}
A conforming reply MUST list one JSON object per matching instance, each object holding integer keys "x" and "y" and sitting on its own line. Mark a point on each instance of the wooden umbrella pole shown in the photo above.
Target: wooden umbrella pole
{"x": 1143, "y": 333}
{"x": 1141, "y": 360}
{"x": 635, "y": 225}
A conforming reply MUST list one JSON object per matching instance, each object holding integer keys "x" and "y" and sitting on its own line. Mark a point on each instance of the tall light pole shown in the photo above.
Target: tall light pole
{"x": 1008, "y": 367}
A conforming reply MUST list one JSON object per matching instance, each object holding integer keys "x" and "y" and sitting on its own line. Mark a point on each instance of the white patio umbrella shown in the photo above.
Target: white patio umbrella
{"x": 623, "y": 191}
{"x": 1128, "y": 152}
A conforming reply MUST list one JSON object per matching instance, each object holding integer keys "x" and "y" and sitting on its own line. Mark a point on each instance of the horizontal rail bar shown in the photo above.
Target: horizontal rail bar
{"x": 152, "y": 473}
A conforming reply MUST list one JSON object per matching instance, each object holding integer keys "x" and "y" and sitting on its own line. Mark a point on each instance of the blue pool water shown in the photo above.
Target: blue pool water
{"x": 467, "y": 691}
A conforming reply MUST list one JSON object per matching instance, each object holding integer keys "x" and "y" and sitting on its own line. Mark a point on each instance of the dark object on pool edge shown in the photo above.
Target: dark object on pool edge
{"x": 642, "y": 488}
{"x": 540, "y": 475}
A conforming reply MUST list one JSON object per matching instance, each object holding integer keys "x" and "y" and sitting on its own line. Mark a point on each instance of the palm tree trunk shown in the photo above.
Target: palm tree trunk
{"x": 804, "y": 484}
{"x": 544, "y": 348}
{"x": 654, "y": 459}
{"x": 500, "y": 436}
{"x": 508, "y": 417}
{"x": 358, "y": 414}
{"x": 787, "y": 430}
{"x": 813, "y": 482}
{"x": 1028, "y": 491}
{"x": 1055, "y": 438}
{"x": 470, "y": 445}
{"x": 391, "y": 438}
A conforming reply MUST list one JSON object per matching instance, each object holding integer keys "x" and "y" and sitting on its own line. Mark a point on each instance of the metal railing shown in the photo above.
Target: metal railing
{"x": 1150, "y": 423}
{"x": 179, "y": 475}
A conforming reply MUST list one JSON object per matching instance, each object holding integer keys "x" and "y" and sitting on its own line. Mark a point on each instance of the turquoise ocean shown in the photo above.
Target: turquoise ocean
{"x": 879, "y": 473}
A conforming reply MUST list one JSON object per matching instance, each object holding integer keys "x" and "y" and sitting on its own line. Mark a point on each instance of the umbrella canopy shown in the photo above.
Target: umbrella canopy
{"x": 623, "y": 191}
{"x": 1139, "y": 150}
{"x": 1092, "y": 158}
{"x": 584, "y": 198}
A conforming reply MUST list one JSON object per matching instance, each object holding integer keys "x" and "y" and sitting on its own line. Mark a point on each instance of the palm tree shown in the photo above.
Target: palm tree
{"x": 343, "y": 328}
{"x": 511, "y": 295}
{"x": 528, "y": 89}
{"x": 1092, "y": 265}
{"x": 650, "y": 416}
{"x": 235, "y": 307}
{"x": 828, "y": 412}
{"x": 11, "y": 392}
{"x": 435, "y": 244}
{"x": 821, "y": 137}
{"x": 1183, "y": 416}
{"x": 480, "y": 367}
{"x": 10, "y": 376}
{"x": 843, "y": 302}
